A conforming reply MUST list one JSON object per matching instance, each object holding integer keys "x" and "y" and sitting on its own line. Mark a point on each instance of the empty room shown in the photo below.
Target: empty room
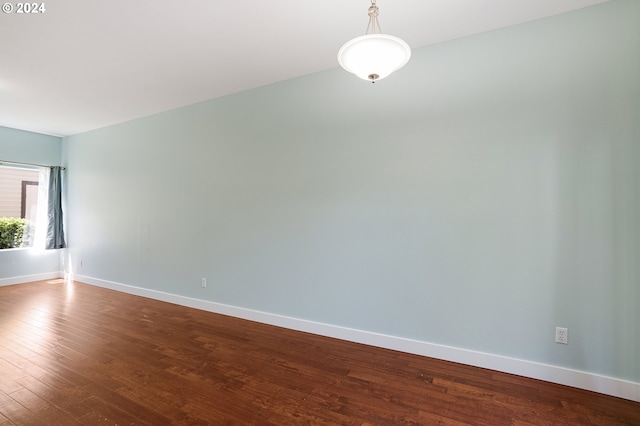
{"x": 339, "y": 212}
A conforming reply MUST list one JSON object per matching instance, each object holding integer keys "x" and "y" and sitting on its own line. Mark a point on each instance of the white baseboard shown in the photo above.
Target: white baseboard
{"x": 31, "y": 278}
{"x": 550, "y": 373}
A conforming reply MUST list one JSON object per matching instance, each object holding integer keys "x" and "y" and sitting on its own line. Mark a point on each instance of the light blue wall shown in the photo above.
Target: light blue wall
{"x": 477, "y": 198}
{"x": 27, "y": 147}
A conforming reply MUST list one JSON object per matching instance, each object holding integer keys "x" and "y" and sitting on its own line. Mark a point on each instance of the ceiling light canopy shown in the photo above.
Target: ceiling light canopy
{"x": 374, "y": 56}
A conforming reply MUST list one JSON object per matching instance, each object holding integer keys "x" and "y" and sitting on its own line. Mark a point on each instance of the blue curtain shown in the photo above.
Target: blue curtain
{"x": 55, "y": 231}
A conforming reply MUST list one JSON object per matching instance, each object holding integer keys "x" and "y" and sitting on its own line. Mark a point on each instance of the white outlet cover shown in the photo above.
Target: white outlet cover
{"x": 562, "y": 335}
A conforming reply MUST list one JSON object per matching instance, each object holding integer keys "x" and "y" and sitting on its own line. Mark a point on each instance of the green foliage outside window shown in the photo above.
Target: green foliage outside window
{"x": 14, "y": 232}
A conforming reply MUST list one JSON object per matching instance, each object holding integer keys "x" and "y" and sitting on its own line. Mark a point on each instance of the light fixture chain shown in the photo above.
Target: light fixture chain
{"x": 373, "y": 27}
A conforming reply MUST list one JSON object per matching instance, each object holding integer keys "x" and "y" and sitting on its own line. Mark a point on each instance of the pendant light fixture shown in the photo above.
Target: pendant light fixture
{"x": 374, "y": 56}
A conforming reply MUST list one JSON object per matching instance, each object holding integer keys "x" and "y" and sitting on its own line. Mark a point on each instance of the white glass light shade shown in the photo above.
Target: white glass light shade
{"x": 374, "y": 56}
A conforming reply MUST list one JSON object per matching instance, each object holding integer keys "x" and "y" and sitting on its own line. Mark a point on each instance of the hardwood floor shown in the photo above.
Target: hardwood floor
{"x": 72, "y": 354}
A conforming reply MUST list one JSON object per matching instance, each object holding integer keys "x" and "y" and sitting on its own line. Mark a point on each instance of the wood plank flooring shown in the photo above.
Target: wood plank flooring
{"x": 74, "y": 354}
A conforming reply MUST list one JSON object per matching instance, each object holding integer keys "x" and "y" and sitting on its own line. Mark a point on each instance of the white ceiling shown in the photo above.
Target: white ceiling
{"x": 83, "y": 65}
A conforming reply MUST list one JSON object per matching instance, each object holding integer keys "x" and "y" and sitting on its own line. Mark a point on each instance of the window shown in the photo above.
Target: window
{"x": 23, "y": 204}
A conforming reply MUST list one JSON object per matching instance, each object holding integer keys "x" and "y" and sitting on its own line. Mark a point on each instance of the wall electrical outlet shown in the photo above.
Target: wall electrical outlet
{"x": 203, "y": 283}
{"x": 562, "y": 335}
